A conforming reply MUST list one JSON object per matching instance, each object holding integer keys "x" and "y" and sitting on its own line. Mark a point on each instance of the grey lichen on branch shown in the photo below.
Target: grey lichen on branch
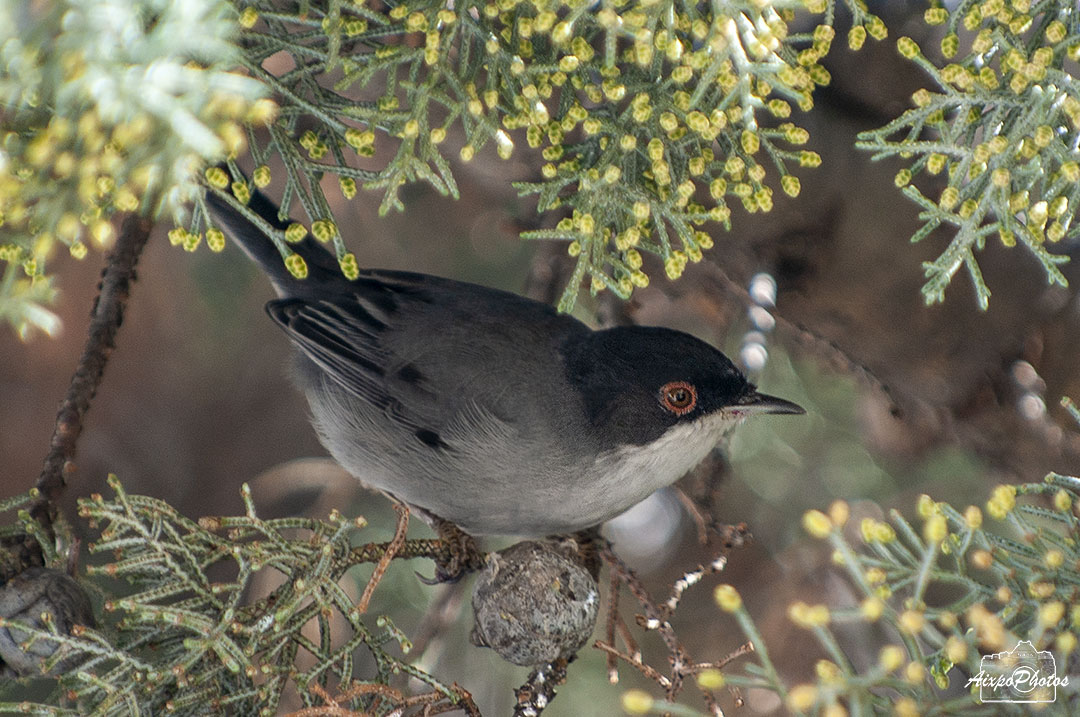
{"x": 535, "y": 603}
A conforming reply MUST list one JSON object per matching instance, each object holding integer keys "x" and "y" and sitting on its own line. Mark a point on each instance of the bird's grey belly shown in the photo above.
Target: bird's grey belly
{"x": 492, "y": 484}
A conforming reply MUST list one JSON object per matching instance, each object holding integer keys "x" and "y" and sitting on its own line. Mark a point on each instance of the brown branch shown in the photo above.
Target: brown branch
{"x": 431, "y": 548}
{"x": 656, "y": 618}
{"x": 744, "y": 649}
{"x": 648, "y": 670}
{"x": 433, "y": 703}
{"x": 627, "y": 637}
{"x": 443, "y": 610}
{"x": 465, "y": 703}
{"x": 653, "y": 619}
{"x": 105, "y": 319}
{"x": 701, "y": 522}
{"x": 609, "y": 631}
{"x": 731, "y": 537}
{"x": 384, "y": 562}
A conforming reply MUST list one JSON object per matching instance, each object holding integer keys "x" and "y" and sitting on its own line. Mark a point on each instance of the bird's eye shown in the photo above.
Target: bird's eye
{"x": 678, "y": 397}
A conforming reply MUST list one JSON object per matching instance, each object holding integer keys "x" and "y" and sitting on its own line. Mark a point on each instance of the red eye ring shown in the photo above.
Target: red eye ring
{"x": 678, "y": 397}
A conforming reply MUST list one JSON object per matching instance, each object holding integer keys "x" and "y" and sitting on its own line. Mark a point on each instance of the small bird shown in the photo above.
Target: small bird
{"x": 486, "y": 409}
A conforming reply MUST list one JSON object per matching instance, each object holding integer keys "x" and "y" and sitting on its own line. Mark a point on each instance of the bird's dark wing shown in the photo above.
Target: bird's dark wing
{"x": 427, "y": 352}
{"x": 341, "y": 338}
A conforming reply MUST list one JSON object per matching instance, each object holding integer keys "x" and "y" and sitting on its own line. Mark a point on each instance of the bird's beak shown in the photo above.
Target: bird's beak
{"x": 763, "y": 403}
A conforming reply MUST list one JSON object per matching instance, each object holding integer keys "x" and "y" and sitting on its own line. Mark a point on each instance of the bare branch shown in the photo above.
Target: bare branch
{"x": 105, "y": 319}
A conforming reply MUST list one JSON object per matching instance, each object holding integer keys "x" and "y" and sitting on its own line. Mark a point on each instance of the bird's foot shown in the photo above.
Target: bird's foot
{"x": 589, "y": 544}
{"x": 461, "y": 556}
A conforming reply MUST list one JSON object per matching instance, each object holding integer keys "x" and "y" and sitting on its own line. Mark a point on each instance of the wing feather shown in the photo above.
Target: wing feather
{"x": 341, "y": 340}
{"x": 415, "y": 348}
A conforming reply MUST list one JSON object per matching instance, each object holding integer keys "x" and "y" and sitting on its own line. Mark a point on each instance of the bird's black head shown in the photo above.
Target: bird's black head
{"x": 637, "y": 381}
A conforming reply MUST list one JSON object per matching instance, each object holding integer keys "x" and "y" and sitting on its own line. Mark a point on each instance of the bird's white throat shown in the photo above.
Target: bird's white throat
{"x": 629, "y": 474}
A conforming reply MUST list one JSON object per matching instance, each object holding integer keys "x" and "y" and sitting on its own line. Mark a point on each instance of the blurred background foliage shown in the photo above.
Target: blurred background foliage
{"x": 902, "y": 400}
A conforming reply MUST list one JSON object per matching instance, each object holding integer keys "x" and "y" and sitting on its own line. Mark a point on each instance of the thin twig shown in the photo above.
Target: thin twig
{"x": 431, "y": 548}
{"x": 653, "y": 619}
{"x": 433, "y": 702}
{"x": 384, "y": 562}
{"x": 627, "y": 637}
{"x": 656, "y": 618}
{"x": 711, "y": 703}
{"x": 707, "y": 695}
{"x": 443, "y": 610}
{"x": 695, "y": 513}
{"x": 731, "y": 537}
{"x": 744, "y": 649}
{"x": 465, "y": 703}
{"x": 105, "y": 319}
{"x": 648, "y": 670}
{"x": 609, "y": 631}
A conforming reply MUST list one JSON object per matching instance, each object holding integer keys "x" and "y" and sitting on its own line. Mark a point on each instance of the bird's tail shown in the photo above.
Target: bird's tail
{"x": 249, "y": 236}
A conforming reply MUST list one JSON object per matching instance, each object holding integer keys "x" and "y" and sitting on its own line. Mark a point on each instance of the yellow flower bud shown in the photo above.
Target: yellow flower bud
{"x": 935, "y": 529}
{"x": 912, "y": 621}
{"x": 973, "y": 517}
{"x": 808, "y": 616}
{"x": 956, "y": 649}
{"x": 297, "y": 266}
{"x": 711, "y": 679}
{"x": 905, "y": 707}
{"x": 856, "y": 37}
{"x": 1041, "y": 589}
{"x": 727, "y": 597}
{"x": 1002, "y": 501}
{"x": 348, "y": 187}
{"x": 295, "y": 232}
{"x": 817, "y": 524}
{"x": 637, "y": 702}
{"x": 248, "y": 17}
{"x": 217, "y": 177}
{"x": 982, "y": 559}
{"x": 324, "y": 230}
{"x": 261, "y": 176}
{"x": 1051, "y": 613}
{"x": 907, "y": 47}
{"x": 750, "y": 141}
{"x": 872, "y": 608}
{"x": 935, "y": 15}
{"x": 801, "y": 698}
{"x": 891, "y": 657}
{"x": 215, "y": 239}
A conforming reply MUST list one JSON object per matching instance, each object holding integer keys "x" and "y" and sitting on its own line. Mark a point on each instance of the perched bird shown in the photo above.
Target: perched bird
{"x": 487, "y": 409}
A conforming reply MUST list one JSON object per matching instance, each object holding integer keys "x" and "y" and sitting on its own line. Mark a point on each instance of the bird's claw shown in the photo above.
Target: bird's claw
{"x": 460, "y": 557}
